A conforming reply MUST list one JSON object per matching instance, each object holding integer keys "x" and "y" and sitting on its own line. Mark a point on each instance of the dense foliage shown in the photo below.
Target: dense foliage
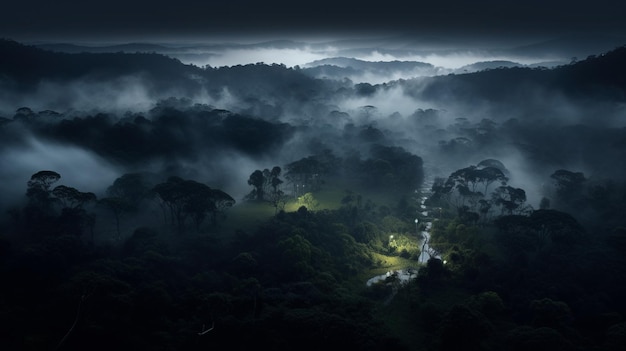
{"x": 164, "y": 257}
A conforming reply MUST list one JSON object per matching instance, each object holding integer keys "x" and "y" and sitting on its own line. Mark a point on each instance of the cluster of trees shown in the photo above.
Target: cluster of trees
{"x": 190, "y": 199}
{"x": 481, "y": 193}
{"x": 389, "y": 167}
{"x": 596, "y": 201}
{"x": 468, "y": 191}
{"x": 175, "y": 129}
{"x": 531, "y": 279}
{"x": 266, "y": 184}
{"x": 543, "y": 279}
{"x": 387, "y": 170}
{"x": 267, "y": 188}
{"x": 282, "y": 283}
{"x": 64, "y": 210}
{"x": 308, "y": 173}
{"x": 61, "y": 209}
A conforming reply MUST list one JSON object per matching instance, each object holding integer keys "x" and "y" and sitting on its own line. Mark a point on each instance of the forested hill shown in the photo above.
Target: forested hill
{"x": 602, "y": 76}
{"x": 25, "y": 66}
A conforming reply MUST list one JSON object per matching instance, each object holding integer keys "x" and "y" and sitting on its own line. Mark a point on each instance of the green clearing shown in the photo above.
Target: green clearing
{"x": 247, "y": 216}
{"x": 398, "y": 315}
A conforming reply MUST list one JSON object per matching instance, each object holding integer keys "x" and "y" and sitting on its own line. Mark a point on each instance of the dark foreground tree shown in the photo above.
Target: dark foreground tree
{"x": 133, "y": 188}
{"x": 39, "y": 213}
{"x": 257, "y": 180}
{"x": 266, "y": 185}
{"x": 38, "y": 192}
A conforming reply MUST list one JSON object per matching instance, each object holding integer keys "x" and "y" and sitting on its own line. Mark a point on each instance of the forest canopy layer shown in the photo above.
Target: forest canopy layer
{"x": 153, "y": 203}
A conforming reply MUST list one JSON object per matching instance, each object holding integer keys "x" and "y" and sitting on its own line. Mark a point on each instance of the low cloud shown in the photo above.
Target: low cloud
{"x": 290, "y": 57}
{"x": 78, "y": 168}
{"x": 449, "y": 61}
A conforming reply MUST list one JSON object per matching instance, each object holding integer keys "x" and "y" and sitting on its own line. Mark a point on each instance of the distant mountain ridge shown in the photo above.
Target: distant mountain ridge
{"x": 566, "y": 46}
{"x": 127, "y": 48}
{"x": 483, "y": 65}
{"x": 164, "y": 48}
{"x": 23, "y": 67}
{"x": 352, "y": 68}
{"x": 597, "y": 77}
{"x": 362, "y": 64}
{"x": 579, "y": 45}
{"x": 27, "y": 65}
{"x": 263, "y": 87}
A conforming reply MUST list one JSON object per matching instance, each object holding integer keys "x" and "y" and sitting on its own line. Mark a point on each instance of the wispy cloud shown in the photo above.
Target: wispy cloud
{"x": 288, "y": 56}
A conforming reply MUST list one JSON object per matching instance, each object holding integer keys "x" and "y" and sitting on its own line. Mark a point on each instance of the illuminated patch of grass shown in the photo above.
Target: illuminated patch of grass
{"x": 248, "y": 215}
{"x": 409, "y": 243}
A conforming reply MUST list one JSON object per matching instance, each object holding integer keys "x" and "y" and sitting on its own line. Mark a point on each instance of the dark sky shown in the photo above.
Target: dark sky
{"x": 133, "y": 20}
